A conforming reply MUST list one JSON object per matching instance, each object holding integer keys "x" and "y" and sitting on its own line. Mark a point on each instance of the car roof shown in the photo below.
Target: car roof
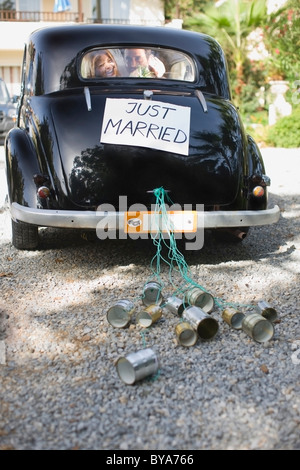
{"x": 53, "y": 51}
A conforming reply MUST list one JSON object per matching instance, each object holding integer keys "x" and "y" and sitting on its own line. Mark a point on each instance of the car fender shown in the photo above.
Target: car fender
{"x": 255, "y": 167}
{"x": 21, "y": 166}
{"x": 255, "y": 160}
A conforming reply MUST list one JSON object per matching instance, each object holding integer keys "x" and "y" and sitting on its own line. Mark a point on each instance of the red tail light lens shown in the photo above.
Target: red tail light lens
{"x": 258, "y": 191}
{"x": 43, "y": 192}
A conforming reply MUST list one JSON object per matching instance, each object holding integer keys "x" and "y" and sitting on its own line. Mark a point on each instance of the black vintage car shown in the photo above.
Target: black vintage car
{"x": 108, "y": 114}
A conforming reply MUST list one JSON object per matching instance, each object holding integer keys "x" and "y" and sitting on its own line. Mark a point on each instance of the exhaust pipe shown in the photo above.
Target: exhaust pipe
{"x": 238, "y": 233}
{"x": 235, "y": 232}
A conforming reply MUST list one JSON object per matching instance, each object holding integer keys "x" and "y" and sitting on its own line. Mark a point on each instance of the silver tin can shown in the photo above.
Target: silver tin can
{"x": 258, "y": 328}
{"x": 268, "y": 312}
{"x": 152, "y": 293}
{"x": 137, "y": 365}
{"x": 199, "y": 298}
{"x": 186, "y": 334}
{"x": 233, "y": 317}
{"x": 205, "y": 325}
{"x": 149, "y": 315}
{"x": 120, "y": 313}
{"x": 174, "y": 305}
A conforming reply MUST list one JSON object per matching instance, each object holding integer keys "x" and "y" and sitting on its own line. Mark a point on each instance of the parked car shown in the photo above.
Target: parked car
{"x": 7, "y": 111}
{"x": 108, "y": 114}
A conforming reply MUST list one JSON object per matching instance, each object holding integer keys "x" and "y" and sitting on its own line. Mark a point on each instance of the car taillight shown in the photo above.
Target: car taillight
{"x": 43, "y": 192}
{"x": 258, "y": 191}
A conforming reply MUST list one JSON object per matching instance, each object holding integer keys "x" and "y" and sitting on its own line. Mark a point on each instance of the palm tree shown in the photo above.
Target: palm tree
{"x": 231, "y": 23}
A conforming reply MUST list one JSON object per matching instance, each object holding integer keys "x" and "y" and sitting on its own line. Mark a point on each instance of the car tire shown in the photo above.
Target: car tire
{"x": 24, "y": 236}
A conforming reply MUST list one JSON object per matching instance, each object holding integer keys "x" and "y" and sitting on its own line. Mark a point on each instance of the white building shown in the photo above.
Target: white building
{"x": 27, "y": 15}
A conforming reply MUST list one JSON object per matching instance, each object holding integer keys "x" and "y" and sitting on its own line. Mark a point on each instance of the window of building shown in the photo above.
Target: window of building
{"x": 28, "y": 10}
{"x": 108, "y": 10}
{"x": 27, "y": 5}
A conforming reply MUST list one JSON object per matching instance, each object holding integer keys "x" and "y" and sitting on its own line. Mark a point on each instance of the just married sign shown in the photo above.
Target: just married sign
{"x": 145, "y": 123}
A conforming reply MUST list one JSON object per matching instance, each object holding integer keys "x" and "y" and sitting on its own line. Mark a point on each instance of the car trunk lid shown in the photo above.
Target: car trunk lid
{"x": 208, "y": 171}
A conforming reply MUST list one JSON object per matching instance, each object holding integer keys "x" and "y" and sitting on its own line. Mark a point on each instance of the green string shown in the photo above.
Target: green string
{"x": 174, "y": 258}
{"x": 222, "y": 304}
{"x": 143, "y": 333}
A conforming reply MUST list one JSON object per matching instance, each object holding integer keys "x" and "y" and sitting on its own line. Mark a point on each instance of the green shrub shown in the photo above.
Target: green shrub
{"x": 285, "y": 132}
{"x": 256, "y": 124}
{"x": 259, "y": 133}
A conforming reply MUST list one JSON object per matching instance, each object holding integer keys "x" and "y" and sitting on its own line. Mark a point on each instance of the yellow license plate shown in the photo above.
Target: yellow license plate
{"x": 154, "y": 222}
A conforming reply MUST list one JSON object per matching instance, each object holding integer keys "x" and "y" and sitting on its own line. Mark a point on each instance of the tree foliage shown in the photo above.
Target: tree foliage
{"x": 7, "y": 5}
{"x": 183, "y": 8}
{"x": 282, "y": 37}
{"x": 231, "y": 23}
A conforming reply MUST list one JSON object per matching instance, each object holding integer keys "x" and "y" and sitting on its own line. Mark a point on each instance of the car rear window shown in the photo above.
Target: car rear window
{"x": 137, "y": 62}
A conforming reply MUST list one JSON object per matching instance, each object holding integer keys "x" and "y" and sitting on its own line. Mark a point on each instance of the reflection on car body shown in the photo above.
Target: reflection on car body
{"x": 7, "y": 110}
{"x": 93, "y": 133}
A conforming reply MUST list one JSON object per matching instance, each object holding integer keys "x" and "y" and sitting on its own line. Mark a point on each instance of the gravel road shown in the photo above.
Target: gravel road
{"x": 59, "y": 385}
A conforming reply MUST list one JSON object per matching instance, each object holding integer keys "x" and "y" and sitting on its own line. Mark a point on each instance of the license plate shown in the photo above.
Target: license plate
{"x": 153, "y": 222}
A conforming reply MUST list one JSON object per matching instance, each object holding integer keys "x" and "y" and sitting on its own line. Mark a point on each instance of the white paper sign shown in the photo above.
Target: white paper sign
{"x": 146, "y": 123}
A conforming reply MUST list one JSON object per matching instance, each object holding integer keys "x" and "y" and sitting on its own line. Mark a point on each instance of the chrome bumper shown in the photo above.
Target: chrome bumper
{"x": 115, "y": 220}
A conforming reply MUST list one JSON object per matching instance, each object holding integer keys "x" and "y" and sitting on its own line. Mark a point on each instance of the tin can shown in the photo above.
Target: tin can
{"x": 205, "y": 325}
{"x": 119, "y": 314}
{"x": 137, "y": 365}
{"x": 149, "y": 315}
{"x": 186, "y": 334}
{"x": 199, "y": 298}
{"x": 174, "y": 305}
{"x": 233, "y": 317}
{"x": 257, "y": 327}
{"x": 268, "y": 312}
{"x": 152, "y": 293}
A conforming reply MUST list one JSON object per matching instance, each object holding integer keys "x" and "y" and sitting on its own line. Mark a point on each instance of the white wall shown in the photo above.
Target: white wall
{"x": 147, "y": 10}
